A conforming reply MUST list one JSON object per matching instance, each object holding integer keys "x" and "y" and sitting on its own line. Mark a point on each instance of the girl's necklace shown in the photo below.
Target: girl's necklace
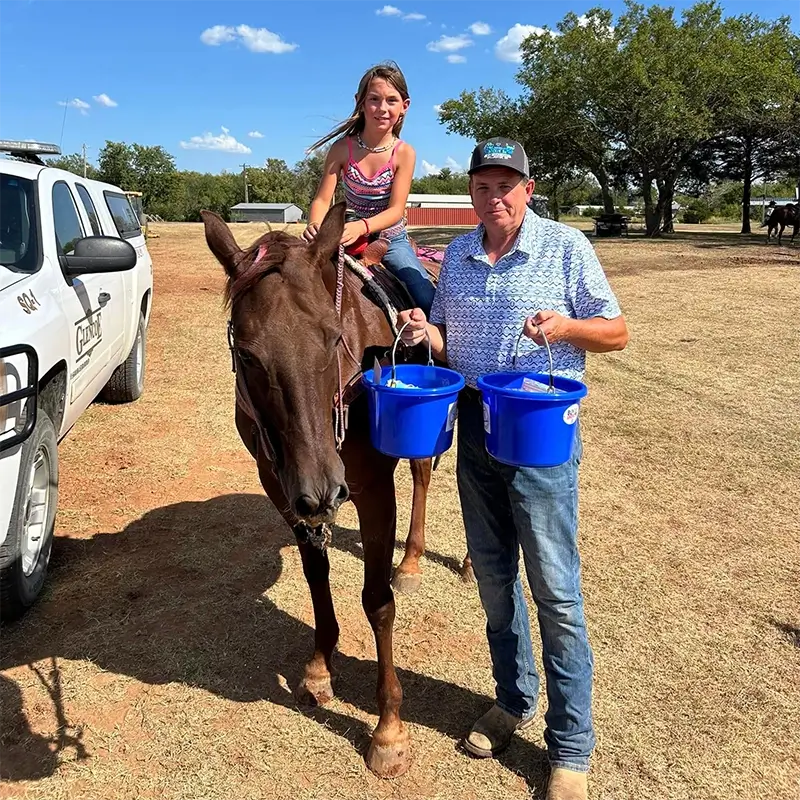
{"x": 375, "y": 149}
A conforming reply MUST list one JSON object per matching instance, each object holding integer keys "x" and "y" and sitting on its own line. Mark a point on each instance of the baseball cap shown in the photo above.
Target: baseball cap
{"x": 499, "y": 152}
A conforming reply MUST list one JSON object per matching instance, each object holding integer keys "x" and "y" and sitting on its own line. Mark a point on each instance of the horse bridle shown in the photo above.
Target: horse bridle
{"x": 244, "y": 399}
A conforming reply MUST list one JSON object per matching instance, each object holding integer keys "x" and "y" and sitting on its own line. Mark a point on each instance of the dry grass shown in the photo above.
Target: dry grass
{"x": 158, "y": 662}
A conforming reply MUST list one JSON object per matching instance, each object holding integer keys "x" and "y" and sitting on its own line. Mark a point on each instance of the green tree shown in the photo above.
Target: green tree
{"x": 115, "y": 164}
{"x": 272, "y": 183}
{"x": 73, "y": 163}
{"x": 759, "y": 120}
{"x": 154, "y": 174}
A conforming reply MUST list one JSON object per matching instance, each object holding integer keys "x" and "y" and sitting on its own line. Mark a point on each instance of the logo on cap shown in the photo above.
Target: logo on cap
{"x": 493, "y": 150}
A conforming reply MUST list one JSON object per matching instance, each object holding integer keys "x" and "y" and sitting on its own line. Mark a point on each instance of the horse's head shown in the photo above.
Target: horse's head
{"x": 286, "y": 333}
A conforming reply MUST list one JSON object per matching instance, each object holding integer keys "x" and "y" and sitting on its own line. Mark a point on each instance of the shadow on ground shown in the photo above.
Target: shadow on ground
{"x": 178, "y": 596}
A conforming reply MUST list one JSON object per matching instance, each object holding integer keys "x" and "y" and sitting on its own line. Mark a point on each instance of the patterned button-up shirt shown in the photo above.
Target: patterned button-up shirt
{"x": 483, "y": 307}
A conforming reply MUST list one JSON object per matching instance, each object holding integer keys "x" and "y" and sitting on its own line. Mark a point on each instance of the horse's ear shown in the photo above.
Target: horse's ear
{"x": 220, "y": 241}
{"x": 330, "y": 234}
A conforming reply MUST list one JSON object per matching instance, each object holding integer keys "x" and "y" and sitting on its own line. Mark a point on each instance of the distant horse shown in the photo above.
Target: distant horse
{"x": 302, "y": 327}
{"x": 780, "y": 217}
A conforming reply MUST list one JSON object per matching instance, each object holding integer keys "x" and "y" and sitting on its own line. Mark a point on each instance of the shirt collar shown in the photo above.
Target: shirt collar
{"x": 524, "y": 243}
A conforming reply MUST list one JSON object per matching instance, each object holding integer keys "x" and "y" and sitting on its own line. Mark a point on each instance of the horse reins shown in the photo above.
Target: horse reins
{"x": 340, "y": 409}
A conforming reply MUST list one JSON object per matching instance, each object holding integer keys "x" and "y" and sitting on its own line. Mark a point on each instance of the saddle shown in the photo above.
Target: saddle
{"x": 370, "y": 250}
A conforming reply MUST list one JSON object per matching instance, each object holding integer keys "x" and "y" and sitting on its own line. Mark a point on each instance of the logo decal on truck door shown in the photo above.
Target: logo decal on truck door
{"x": 88, "y": 334}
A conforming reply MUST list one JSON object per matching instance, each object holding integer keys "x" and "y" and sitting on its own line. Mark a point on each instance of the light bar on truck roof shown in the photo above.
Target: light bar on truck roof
{"x": 15, "y": 146}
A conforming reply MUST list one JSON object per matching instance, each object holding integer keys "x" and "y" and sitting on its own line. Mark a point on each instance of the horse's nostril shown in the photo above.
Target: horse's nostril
{"x": 305, "y": 506}
{"x": 342, "y": 494}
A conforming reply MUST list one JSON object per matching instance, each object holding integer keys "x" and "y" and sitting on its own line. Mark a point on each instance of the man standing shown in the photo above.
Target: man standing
{"x": 514, "y": 269}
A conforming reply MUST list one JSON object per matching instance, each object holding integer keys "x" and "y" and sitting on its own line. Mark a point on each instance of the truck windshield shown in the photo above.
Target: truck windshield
{"x": 19, "y": 238}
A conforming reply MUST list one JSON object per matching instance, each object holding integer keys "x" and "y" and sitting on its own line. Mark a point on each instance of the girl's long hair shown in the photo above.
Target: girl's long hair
{"x": 391, "y": 73}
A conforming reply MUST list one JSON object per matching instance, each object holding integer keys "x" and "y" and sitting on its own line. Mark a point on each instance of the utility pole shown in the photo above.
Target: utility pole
{"x": 83, "y": 147}
{"x": 244, "y": 175}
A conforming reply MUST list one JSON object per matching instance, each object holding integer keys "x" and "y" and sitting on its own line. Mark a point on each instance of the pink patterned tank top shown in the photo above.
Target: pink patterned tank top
{"x": 367, "y": 197}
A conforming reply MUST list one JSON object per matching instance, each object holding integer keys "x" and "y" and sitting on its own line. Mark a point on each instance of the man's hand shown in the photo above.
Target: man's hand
{"x": 415, "y": 333}
{"x": 556, "y": 327}
{"x": 311, "y": 231}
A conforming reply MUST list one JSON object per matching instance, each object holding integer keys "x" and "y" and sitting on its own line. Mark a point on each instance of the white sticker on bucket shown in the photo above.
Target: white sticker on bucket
{"x": 571, "y": 414}
{"x": 487, "y": 418}
{"x": 452, "y": 413}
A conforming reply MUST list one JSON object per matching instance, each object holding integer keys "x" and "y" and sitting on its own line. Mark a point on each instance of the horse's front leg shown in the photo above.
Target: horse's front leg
{"x": 408, "y": 575}
{"x": 316, "y": 687}
{"x": 389, "y": 752}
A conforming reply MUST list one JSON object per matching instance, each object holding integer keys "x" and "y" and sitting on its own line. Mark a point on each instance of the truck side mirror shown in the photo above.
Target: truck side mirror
{"x": 96, "y": 254}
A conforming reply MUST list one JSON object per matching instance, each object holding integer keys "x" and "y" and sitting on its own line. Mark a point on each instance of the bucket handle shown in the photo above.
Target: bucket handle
{"x": 551, "y": 388}
{"x": 394, "y": 350}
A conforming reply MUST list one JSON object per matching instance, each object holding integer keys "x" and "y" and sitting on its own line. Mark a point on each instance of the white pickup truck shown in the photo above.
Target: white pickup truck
{"x": 76, "y": 285}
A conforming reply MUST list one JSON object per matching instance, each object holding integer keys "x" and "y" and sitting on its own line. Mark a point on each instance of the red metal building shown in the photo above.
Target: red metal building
{"x": 440, "y": 209}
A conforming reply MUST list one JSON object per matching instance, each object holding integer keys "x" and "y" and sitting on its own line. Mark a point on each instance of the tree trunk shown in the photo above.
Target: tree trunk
{"x": 605, "y": 187}
{"x": 666, "y": 195}
{"x": 652, "y": 215}
{"x": 747, "y": 183}
{"x": 553, "y": 199}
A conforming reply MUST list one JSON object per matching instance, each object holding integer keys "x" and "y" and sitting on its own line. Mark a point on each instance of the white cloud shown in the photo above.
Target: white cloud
{"x": 217, "y": 35}
{"x": 105, "y": 100}
{"x": 257, "y": 40}
{"x": 583, "y": 20}
{"x": 428, "y": 168}
{"x": 224, "y": 142}
{"x": 480, "y": 29}
{"x": 456, "y": 59}
{"x": 256, "y": 135}
{"x": 437, "y": 109}
{"x": 453, "y": 165}
{"x": 507, "y": 48}
{"x": 450, "y": 44}
{"x": 260, "y": 40}
{"x": 414, "y": 17}
{"x": 388, "y": 11}
{"x": 82, "y": 106}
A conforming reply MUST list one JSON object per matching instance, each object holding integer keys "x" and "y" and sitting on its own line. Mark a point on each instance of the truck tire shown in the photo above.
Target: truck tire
{"x": 126, "y": 383}
{"x": 25, "y": 553}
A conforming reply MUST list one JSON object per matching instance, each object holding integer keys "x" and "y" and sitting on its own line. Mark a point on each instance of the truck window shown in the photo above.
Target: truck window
{"x": 65, "y": 216}
{"x": 19, "y": 226}
{"x": 124, "y": 216}
{"x": 91, "y": 211}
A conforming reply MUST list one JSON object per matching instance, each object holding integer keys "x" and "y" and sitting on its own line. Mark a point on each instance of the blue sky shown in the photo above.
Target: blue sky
{"x": 208, "y": 80}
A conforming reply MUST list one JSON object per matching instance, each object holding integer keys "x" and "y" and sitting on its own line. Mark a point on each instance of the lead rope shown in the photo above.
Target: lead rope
{"x": 339, "y": 419}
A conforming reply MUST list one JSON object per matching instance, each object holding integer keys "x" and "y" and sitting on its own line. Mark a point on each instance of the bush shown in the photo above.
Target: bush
{"x": 697, "y": 211}
{"x": 591, "y": 211}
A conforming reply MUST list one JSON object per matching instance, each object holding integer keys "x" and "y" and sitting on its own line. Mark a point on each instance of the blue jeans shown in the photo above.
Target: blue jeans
{"x": 506, "y": 508}
{"x": 402, "y": 262}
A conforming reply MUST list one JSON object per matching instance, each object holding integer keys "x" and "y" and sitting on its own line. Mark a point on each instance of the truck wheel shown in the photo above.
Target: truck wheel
{"x": 26, "y": 550}
{"x": 127, "y": 381}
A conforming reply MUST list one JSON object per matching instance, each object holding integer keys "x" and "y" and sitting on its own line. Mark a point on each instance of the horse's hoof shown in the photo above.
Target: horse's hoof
{"x": 467, "y": 574}
{"x": 314, "y": 691}
{"x": 406, "y": 582}
{"x": 390, "y": 759}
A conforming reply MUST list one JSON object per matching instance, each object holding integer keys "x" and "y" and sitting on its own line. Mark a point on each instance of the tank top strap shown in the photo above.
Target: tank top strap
{"x": 394, "y": 150}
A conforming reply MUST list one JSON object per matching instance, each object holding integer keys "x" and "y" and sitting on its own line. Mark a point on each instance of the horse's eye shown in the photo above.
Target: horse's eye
{"x": 246, "y": 357}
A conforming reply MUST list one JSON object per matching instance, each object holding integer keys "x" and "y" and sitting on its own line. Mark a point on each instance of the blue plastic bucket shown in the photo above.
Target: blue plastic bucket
{"x": 527, "y": 428}
{"x": 413, "y": 423}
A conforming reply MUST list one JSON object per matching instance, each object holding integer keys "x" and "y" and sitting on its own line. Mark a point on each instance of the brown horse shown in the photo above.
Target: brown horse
{"x": 302, "y": 329}
{"x": 780, "y": 217}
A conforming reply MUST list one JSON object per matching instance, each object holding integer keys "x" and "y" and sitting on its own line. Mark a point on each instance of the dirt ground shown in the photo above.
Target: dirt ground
{"x": 159, "y": 661}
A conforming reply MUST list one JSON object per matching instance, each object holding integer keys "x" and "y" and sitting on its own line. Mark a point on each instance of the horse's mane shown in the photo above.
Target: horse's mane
{"x": 262, "y": 257}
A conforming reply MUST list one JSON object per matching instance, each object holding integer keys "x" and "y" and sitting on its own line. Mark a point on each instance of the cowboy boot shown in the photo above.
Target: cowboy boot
{"x": 567, "y": 784}
{"x": 492, "y": 733}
